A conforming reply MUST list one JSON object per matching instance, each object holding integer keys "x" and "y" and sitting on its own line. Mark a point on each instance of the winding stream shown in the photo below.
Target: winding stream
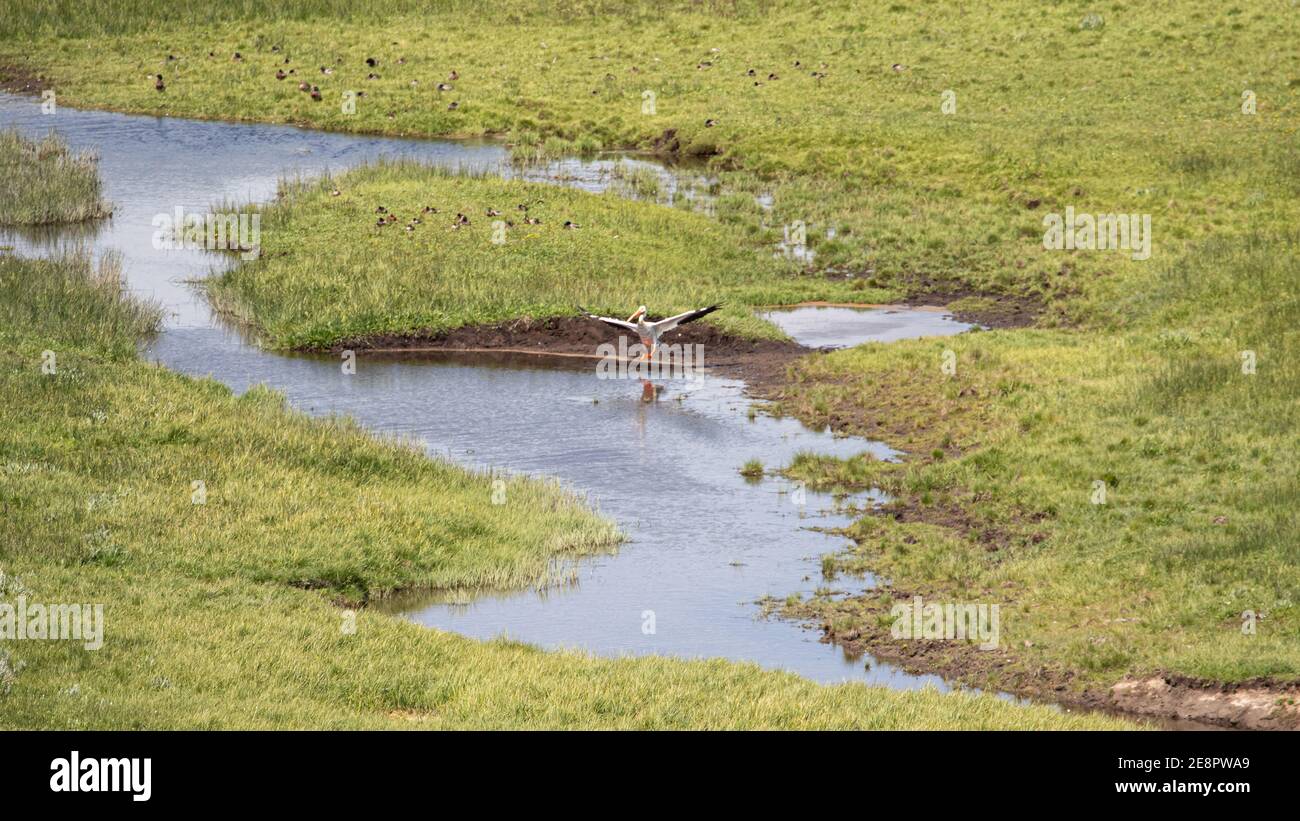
{"x": 705, "y": 544}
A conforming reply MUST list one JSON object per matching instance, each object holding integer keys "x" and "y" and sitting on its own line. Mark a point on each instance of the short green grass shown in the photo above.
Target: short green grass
{"x": 229, "y": 613}
{"x": 43, "y": 182}
{"x": 328, "y": 272}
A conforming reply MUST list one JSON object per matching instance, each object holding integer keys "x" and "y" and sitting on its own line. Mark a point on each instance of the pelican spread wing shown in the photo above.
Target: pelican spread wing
{"x": 682, "y": 318}
{"x": 609, "y": 320}
{"x": 649, "y": 332}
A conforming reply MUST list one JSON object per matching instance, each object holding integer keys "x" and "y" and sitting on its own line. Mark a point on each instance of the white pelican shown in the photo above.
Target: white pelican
{"x": 649, "y": 332}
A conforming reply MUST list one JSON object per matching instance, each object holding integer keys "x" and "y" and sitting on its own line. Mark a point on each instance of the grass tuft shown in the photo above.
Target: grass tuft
{"x": 43, "y": 183}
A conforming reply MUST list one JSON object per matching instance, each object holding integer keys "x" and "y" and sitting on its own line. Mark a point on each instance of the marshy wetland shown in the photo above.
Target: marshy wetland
{"x": 1111, "y": 460}
{"x": 513, "y": 421}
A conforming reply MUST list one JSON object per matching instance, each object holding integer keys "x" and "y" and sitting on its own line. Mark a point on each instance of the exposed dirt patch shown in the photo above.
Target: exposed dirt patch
{"x": 1171, "y": 701}
{"x": 957, "y": 662}
{"x": 969, "y": 305}
{"x": 667, "y": 143}
{"x": 1258, "y": 704}
{"x": 22, "y": 79}
{"x": 959, "y": 517}
{"x": 760, "y": 362}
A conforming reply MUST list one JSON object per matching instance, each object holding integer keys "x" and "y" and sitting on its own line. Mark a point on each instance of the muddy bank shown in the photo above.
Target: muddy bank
{"x": 989, "y": 310}
{"x": 761, "y": 363}
{"x": 1257, "y": 704}
{"x": 20, "y": 79}
{"x": 1175, "y": 702}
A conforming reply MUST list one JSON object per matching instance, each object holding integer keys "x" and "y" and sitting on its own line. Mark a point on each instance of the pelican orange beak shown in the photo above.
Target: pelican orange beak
{"x": 640, "y": 312}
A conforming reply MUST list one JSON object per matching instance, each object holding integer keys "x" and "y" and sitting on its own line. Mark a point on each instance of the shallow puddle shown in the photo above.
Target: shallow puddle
{"x": 824, "y": 326}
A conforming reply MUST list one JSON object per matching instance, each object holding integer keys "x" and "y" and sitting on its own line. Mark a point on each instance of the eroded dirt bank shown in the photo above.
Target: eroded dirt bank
{"x": 1172, "y": 700}
{"x": 761, "y": 363}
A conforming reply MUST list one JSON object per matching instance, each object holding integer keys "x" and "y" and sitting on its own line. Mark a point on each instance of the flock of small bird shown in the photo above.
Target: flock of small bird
{"x": 385, "y": 218}
{"x": 772, "y": 76}
{"x": 705, "y": 65}
{"x": 314, "y": 90}
{"x": 371, "y": 62}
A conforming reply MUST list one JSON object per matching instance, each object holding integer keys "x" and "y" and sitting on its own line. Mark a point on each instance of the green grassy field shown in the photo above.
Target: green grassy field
{"x": 1184, "y": 112}
{"x": 230, "y": 612}
{"x": 42, "y": 182}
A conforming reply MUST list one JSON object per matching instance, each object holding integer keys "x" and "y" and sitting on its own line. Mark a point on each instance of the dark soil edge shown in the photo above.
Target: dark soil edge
{"x": 993, "y": 311}
{"x": 761, "y": 363}
{"x": 19, "y": 79}
{"x": 1172, "y": 699}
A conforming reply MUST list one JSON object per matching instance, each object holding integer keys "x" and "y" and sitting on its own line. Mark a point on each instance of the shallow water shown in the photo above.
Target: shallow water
{"x": 840, "y": 327}
{"x": 705, "y": 544}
